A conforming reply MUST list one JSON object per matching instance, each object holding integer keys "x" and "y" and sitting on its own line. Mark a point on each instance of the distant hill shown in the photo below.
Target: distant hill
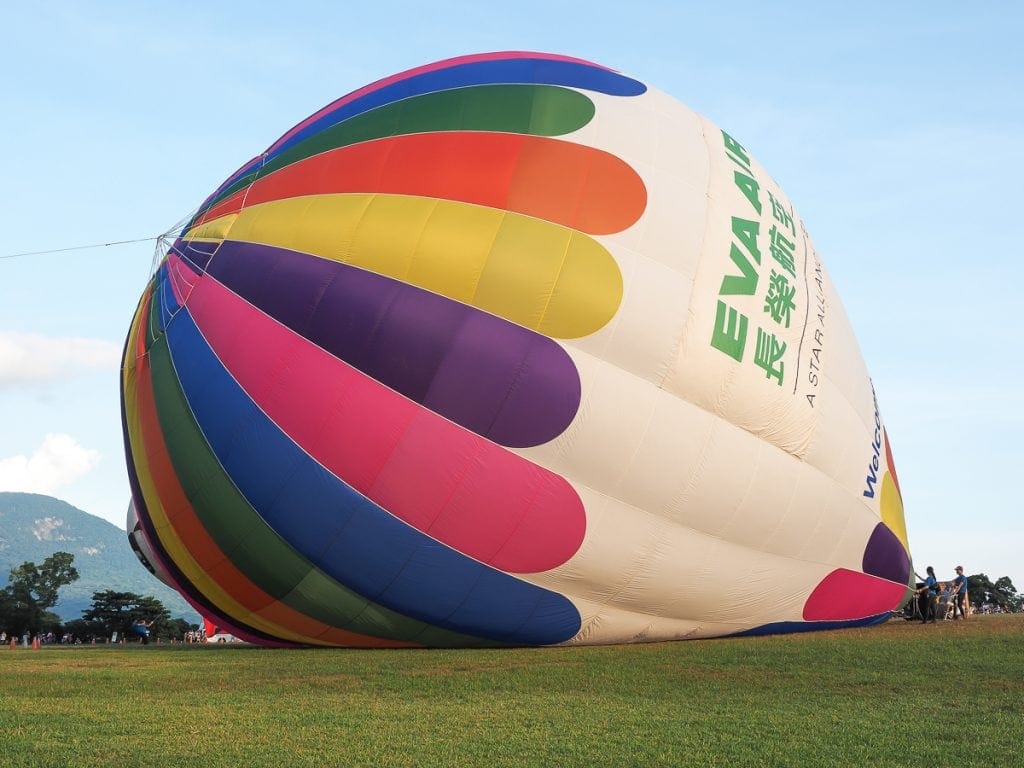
{"x": 33, "y": 527}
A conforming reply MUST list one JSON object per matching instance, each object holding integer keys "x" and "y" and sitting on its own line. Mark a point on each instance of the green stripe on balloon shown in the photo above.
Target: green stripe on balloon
{"x": 253, "y": 546}
{"x": 232, "y": 524}
{"x": 537, "y": 110}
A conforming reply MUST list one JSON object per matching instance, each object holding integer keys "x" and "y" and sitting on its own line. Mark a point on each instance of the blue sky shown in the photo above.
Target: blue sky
{"x": 897, "y": 132}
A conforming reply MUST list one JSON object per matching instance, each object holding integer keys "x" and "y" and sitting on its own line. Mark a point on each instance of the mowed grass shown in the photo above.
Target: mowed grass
{"x": 900, "y": 694}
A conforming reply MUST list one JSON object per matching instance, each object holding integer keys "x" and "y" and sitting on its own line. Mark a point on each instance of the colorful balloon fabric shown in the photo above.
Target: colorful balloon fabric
{"x": 509, "y": 349}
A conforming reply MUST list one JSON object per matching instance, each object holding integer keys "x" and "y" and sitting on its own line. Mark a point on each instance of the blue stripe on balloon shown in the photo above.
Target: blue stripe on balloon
{"x": 165, "y": 302}
{"x": 787, "y": 627}
{"x": 343, "y": 533}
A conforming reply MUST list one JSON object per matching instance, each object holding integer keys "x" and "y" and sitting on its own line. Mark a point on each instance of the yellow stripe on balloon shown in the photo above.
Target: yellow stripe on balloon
{"x": 213, "y": 230}
{"x": 555, "y": 280}
{"x": 892, "y": 509}
{"x": 169, "y": 539}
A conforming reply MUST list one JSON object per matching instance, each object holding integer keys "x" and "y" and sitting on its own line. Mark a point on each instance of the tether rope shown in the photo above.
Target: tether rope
{"x": 80, "y": 247}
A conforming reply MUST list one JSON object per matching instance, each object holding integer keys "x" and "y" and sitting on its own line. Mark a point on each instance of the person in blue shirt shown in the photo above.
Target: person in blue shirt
{"x": 931, "y": 587}
{"x": 959, "y": 592}
{"x": 141, "y": 628}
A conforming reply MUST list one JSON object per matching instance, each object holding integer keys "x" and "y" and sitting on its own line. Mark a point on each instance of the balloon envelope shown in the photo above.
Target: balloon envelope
{"x": 509, "y": 349}
{"x": 141, "y": 547}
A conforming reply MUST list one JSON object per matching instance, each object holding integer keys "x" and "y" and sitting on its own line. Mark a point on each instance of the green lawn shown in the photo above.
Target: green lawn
{"x": 900, "y": 694}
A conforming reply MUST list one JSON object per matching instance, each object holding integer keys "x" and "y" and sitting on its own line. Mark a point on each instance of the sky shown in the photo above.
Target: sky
{"x": 897, "y": 129}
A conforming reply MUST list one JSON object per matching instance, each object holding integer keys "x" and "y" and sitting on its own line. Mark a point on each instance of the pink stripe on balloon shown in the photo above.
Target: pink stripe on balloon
{"x": 846, "y": 594}
{"x": 442, "y": 479}
{"x": 454, "y": 62}
{"x": 181, "y": 279}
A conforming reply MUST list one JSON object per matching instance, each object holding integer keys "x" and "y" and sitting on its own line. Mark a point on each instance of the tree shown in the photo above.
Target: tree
{"x": 1002, "y": 593}
{"x": 32, "y": 589}
{"x": 1008, "y": 593}
{"x": 178, "y": 627}
{"x": 115, "y": 611}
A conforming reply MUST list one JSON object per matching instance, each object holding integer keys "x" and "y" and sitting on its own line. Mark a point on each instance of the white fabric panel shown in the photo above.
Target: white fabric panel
{"x": 665, "y": 570}
{"x": 635, "y": 444}
{"x": 663, "y": 141}
{"x": 708, "y": 485}
{"x": 635, "y": 441}
{"x": 662, "y": 329}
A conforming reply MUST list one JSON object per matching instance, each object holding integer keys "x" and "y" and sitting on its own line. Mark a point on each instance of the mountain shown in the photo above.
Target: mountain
{"x": 33, "y": 527}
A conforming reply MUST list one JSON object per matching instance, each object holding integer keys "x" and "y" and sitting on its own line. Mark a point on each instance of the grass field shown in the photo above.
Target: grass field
{"x": 899, "y": 694}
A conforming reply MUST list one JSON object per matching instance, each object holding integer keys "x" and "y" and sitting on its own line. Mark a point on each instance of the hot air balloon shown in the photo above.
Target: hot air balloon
{"x": 509, "y": 349}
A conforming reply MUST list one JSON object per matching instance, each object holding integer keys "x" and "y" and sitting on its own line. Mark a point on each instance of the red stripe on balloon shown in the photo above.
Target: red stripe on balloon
{"x": 466, "y": 492}
{"x": 579, "y": 187}
{"x": 889, "y": 461}
{"x": 846, "y": 594}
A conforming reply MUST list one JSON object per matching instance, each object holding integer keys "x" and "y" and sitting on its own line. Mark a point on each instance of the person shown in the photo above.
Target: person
{"x": 959, "y": 592}
{"x": 930, "y": 587}
{"x": 141, "y": 628}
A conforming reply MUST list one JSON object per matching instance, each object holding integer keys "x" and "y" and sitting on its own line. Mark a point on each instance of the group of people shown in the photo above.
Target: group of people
{"x": 931, "y": 588}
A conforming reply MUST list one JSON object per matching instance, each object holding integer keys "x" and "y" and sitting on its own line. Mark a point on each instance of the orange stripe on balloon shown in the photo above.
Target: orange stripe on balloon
{"x": 579, "y": 187}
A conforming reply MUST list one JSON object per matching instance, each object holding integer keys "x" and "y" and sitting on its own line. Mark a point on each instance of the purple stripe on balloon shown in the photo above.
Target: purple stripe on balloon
{"x": 197, "y": 252}
{"x": 500, "y": 380}
{"x": 885, "y": 556}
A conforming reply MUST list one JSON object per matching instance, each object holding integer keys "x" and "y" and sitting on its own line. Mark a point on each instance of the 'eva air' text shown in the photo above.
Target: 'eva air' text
{"x": 729, "y": 334}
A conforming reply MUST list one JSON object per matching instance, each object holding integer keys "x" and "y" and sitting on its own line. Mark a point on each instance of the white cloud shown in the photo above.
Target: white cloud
{"x": 28, "y": 358}
{"x": 58, "y": 461}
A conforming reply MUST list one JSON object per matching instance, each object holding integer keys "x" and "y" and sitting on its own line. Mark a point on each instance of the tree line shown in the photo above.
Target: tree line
{"x": 32, "y": 590}
{"x": 999, "y": 593}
